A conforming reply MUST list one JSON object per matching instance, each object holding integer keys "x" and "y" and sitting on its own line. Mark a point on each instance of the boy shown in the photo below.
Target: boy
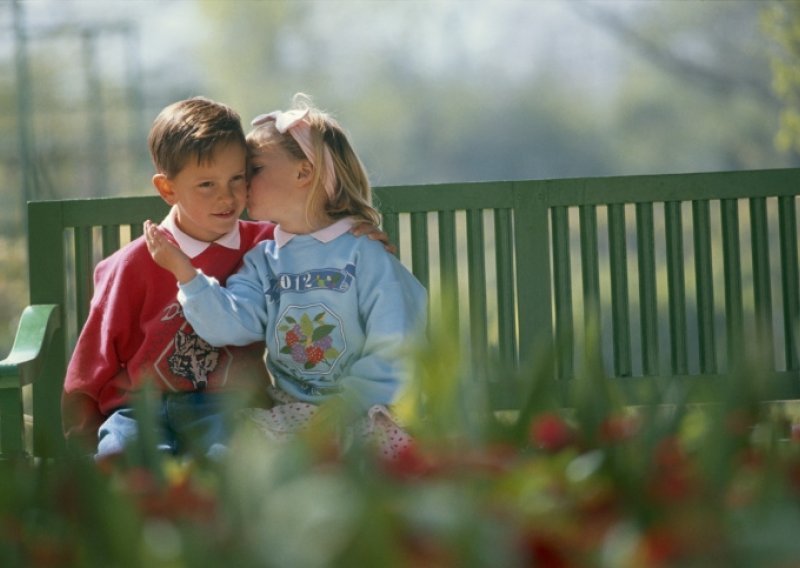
{"x": 136, "y": 334}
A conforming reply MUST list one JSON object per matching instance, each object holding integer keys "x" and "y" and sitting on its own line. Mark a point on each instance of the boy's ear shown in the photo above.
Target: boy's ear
{"x": 164, "y": 188}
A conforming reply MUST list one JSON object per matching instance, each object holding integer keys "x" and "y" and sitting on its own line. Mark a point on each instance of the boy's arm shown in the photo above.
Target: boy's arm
{"x": 364, "y": 229}
{"x": 81, "y": 416}
{"x": 95, "y": 361}
{"x": 80, "y": 420}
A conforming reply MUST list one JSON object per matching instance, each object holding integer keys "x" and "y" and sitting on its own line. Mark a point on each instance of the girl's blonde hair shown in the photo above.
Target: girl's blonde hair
{"x": 352, "y": 195}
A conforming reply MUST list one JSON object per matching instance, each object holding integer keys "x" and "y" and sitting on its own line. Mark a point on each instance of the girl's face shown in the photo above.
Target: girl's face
{"x": 279, "y": 187}
{"x": 209, "y": 196}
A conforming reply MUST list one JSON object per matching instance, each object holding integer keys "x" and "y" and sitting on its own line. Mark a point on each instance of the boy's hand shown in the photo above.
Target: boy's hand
{"x": 369, "y": 230}
{"x": 167, "y": 254}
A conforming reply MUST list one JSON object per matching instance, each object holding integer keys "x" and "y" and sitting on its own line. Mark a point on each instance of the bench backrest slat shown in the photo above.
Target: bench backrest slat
{"x": 645, "y": 244}
{"x": 618, "y": 273}
{"x": 476, "y": 276}
{"x": 790, "y": 280}
{"x": 504, "y": 284}
{"x": 562, "y": 289}
{"x": 676, "y": 286}
{"x": 701, "y": 219}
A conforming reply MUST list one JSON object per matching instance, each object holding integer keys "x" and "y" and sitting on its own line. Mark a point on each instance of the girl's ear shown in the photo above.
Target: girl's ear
{"x": 305, "y": 172}
{"x": 164, "y": 187}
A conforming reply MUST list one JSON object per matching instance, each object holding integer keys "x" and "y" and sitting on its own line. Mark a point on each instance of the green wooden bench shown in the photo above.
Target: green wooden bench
{"x": 681, "y": 273}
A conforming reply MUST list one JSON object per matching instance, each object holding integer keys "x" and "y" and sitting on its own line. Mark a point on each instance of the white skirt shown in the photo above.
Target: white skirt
{"x": 289, "y": 416}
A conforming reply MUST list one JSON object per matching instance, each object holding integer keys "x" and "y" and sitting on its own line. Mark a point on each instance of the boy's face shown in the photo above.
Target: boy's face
{"x": 209, "y": 196}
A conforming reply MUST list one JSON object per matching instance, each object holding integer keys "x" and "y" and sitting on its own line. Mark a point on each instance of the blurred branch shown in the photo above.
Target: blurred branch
{"x": 662, "y": 57}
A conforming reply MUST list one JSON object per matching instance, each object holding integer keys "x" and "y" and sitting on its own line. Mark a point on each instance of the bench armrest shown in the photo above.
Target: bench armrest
{"x": 36, "y": 327}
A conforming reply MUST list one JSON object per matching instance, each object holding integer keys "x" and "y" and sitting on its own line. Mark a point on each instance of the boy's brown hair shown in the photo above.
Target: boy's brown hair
{"x": 192, "y": 128}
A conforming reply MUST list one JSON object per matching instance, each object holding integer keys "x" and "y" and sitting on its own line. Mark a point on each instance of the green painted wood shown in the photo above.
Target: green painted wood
{"x": 590, "y": 266}
{"x": 12, "y": 438}
{"x": 704, "y": 284}
{"x": 676, "y": 286}
{"x": 22, "y": 367}
{"x": 620, "y": 307}
{"x": 533, "y": 271}
{"x": 671, "y": 187}
{"x": 420, "y": 262}
{"x": 424, "y": 198}
{"x": 84, "y": 266}
{"x": 390, "y": 223}
{"x": 46, "y": 254}
{"x": 533, "y": 296}
{"x": 113, "y": 211}
{"x": 762, "y": 285}
{"x": 137, "y": 230}
{"x": 790, "y": 281}
{"x": 732, "y": 267}
{"x": 562, "y": 288}
{"x": 648, "y": 294}
{"x": 448, "y": 265}
{"x": 448, "y": 251}
{"x": 506, "y": 296}
{"x": 111, "y": 239}
{"x": 476, "y": 271}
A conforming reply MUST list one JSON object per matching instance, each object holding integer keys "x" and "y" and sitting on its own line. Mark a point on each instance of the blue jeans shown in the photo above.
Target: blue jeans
{"x": 191, "y": 422}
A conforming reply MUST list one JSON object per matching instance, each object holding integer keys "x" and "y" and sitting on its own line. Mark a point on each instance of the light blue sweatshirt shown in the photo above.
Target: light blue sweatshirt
{"x": 335, "y": 311}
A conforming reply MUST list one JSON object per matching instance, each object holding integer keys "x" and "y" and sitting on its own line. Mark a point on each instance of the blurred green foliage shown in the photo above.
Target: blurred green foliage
{"x": 580, "y": 478}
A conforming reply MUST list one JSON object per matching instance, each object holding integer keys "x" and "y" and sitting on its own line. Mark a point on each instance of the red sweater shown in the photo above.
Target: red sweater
{"x": 136, "y": 333}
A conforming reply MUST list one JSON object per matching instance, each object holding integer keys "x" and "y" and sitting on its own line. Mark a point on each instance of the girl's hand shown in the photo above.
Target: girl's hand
{"x": 167, "y": 254}
{"x": 371, "y": 231}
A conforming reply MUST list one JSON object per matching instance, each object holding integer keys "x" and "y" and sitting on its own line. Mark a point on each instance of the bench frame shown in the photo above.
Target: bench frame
{"x": 535, "y": 261}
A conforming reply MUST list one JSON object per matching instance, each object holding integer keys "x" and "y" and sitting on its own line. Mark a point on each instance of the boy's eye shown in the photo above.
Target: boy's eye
{"x": 206, "y": 184}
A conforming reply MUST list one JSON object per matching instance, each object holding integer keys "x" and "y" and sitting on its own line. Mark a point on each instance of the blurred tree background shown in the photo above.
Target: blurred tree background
{"x": 430, "y": 90}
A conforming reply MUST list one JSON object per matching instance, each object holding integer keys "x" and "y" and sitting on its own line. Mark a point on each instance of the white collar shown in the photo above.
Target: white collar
{"x": 193, "y": 247}
{"x": 324, "y": 235}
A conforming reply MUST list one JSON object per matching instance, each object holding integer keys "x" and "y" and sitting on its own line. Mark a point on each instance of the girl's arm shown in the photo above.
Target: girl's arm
{"x": 232, "y": 315}
{"x": 167, "y": 254}
{"x": 393, "y": 308}
{"x": 235, "y": 315}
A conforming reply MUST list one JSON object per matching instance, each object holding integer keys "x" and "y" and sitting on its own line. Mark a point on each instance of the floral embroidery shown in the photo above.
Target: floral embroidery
{"x": 311, "y": 337}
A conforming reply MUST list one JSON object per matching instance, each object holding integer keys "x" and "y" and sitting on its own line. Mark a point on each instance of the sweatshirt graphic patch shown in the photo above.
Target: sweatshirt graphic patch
{"x": 190, "y": 363}
{"x": 310, "y": 339}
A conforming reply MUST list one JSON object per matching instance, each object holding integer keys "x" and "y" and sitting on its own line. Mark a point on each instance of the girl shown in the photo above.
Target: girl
{"x": 334, "y": 310}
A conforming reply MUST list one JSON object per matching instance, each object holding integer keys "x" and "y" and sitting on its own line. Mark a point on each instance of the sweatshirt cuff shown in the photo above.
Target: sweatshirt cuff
{"x": 194, "y": 286}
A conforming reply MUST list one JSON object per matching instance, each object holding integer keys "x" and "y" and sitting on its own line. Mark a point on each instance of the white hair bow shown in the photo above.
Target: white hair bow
{"x": 283, "y": 120}
{"x": 294, "y": 122}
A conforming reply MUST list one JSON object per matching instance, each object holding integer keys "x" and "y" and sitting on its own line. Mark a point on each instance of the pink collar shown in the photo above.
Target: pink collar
{"x": 193, "y": 247}
{"x": 325, "y": 235}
